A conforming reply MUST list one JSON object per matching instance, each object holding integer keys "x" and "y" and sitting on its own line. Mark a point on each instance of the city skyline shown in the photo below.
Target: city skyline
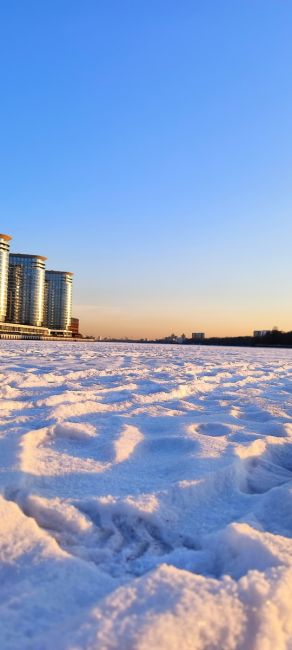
{"x": 152, "y": 154}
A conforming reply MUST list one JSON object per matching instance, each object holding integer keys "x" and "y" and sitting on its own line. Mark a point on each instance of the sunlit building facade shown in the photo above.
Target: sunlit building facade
{"x": 4, "y": 265}
{"x": 26, "y": 286}
{"x": 58, "y": 300}
{"x": 74, "y": 327}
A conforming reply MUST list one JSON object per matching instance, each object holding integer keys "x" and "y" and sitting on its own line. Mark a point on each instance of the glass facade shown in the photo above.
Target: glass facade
{"x": 26, "y": 286}
{"x": 4, "y": 264}
{"x": 58, "y": 300}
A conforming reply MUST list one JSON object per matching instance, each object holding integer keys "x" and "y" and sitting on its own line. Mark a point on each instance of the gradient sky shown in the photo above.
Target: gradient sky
{"x": 146, "y": 145}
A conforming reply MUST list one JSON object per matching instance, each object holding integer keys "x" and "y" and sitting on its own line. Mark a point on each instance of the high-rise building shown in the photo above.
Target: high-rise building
{"x": 26, "y": 284}
{"x": 4, "y": 264}
{"x": 58, "y": 300}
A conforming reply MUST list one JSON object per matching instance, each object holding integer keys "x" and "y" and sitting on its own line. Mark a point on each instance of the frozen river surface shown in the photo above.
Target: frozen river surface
{"x": 146, "y": 497}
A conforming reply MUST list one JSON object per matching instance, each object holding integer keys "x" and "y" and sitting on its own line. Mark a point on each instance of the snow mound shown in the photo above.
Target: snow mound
{"x": 126, "y": 443}
{"x": 74, "y": 431}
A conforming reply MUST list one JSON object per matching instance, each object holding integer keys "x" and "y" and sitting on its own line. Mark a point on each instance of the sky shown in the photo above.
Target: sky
{"x": 146, "y": 145}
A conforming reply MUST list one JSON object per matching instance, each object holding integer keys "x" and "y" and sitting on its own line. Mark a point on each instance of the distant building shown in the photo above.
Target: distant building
{"x": 26, "y": 281}
{"x": 4, "y": 266}
{"x": 74, "y": 327}
{"x": 198, "y": 336}
{"x": 261, "y": 332}
{"x": 58, "y": 300}
{"x": 169, "y": 339}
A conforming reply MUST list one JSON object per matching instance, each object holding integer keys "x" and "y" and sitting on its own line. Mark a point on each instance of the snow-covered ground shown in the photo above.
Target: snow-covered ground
{"x": 146, "y": 497}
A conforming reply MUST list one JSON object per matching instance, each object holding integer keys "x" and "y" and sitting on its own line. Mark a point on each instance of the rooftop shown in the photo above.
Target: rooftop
{"x": 5, "y": 237}
{"x": 60, "y": 272}
{"x": 38, "y": 257}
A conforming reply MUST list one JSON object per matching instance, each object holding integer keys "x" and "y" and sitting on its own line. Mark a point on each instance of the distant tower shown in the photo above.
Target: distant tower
{"x": 26, "y": 284}
{"x": 198, "y": 336}
{"x": 4, "y": 264}
{"x": 58, "y": 300}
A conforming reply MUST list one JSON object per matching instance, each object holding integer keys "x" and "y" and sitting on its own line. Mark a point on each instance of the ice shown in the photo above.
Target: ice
{"x": 145, "y": 497}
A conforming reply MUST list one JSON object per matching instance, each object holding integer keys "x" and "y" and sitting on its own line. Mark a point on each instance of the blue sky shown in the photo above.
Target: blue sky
{"x": 146, "y": 146}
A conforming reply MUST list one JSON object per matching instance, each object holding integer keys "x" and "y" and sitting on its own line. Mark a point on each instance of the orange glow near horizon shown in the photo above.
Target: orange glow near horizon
{"x": 160, "y": 322}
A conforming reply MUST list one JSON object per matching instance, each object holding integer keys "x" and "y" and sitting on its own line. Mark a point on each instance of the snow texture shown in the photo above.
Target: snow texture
{"x": 145, "y": 497}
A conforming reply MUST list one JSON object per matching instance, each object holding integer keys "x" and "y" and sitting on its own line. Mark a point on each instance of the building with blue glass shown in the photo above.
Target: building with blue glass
{"x": 58, "y": 300}
{"x": 4, "y": 266}
{"x": 26, "y": 289}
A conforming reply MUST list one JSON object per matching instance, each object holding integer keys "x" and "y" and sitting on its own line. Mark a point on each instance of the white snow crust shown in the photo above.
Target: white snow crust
{"x": 145, "y": 497}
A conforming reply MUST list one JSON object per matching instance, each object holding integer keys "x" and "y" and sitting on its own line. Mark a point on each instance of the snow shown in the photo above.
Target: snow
{"x": 145, "y": 497}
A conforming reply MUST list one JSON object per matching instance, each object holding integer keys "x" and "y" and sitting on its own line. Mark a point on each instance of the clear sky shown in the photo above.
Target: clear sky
{"x": 146, "y": 145}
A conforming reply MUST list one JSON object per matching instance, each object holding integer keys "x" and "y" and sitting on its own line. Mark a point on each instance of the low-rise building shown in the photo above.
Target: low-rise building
{"x": 19, "y": 331}
{"x": 74, "y": 327}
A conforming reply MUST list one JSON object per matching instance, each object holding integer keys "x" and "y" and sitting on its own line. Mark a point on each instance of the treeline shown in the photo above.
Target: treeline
{"x": 273, "y": 338}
